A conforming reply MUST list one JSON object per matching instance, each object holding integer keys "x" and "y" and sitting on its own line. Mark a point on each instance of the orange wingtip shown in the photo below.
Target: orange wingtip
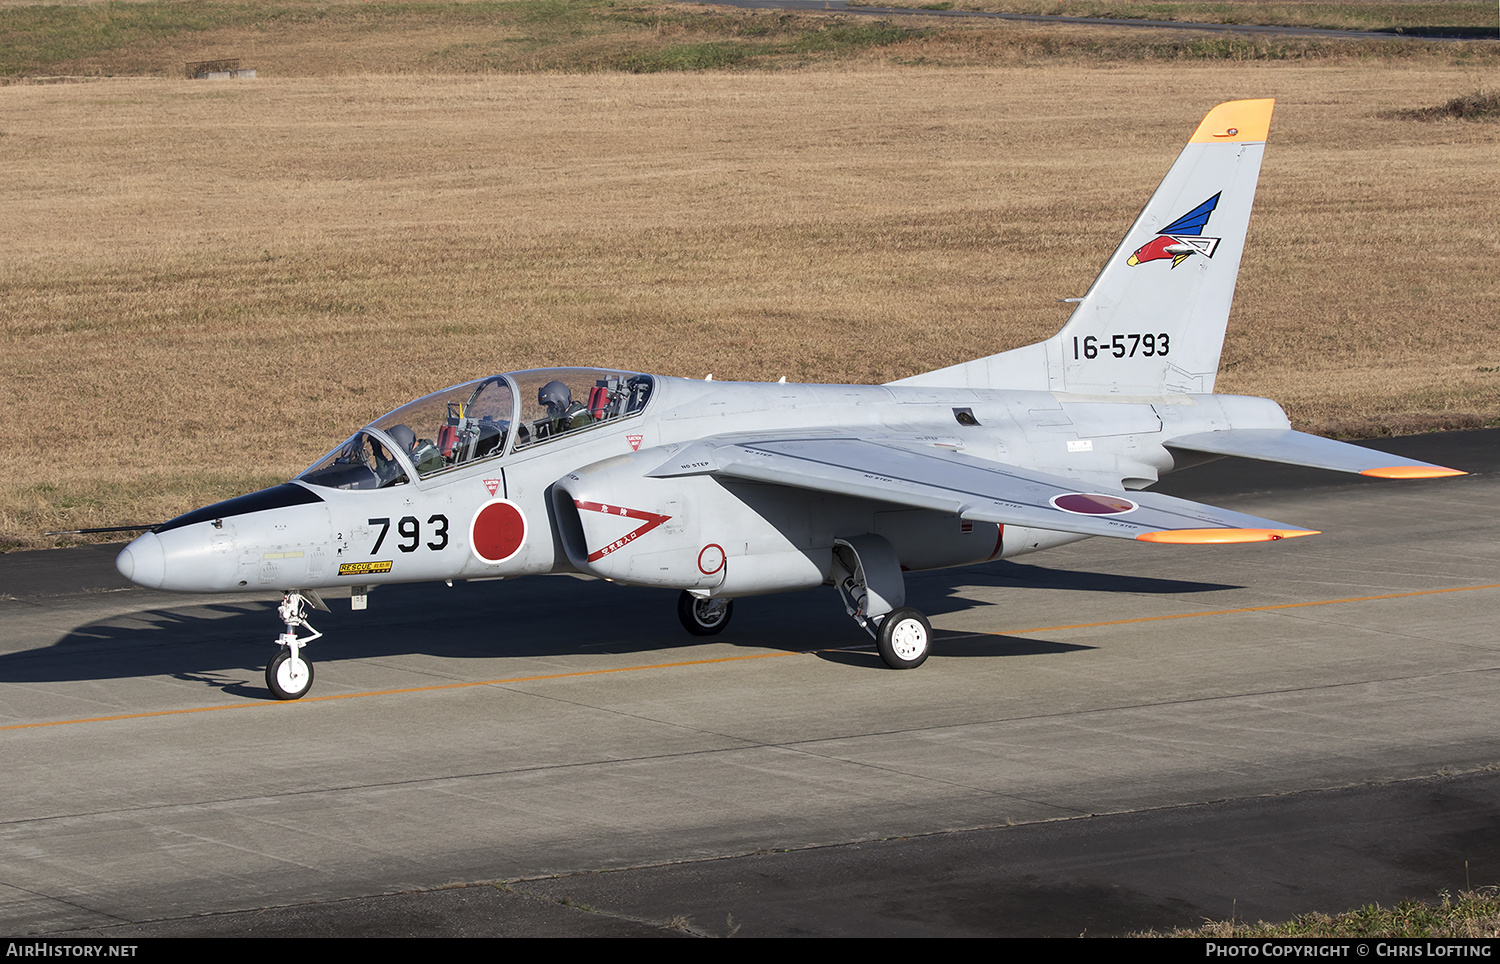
{"x": 1412, "y": 472}
{"x": 1236, "y": 121}
{"x": 1208, "y": 537}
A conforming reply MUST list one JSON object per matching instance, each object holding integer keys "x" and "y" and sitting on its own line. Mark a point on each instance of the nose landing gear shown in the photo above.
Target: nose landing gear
{"x": 289, "y": 676}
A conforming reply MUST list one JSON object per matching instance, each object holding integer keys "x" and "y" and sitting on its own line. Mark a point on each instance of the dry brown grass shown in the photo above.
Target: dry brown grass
{"x": 208, "y": 284}
{"x": 1479, "y": 105}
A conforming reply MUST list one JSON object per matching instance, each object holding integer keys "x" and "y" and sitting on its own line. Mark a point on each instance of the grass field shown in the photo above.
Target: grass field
{"x": 207, "y": 284}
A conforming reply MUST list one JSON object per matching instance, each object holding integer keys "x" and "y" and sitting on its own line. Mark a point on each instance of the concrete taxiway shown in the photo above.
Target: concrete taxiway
{"x": 1088, "y": 722}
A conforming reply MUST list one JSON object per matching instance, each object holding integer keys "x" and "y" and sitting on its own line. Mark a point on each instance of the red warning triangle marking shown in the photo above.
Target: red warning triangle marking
{"x": 650, "y": 521}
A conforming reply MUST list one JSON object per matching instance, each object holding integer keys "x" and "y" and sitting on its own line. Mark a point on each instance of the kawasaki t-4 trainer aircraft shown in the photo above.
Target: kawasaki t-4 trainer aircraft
{"x": 724, "y": 489}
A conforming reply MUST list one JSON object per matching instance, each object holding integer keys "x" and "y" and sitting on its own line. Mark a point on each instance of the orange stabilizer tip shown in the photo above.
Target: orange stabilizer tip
{"x": 1412, "y": 472}
{"x": 1208, "y": 537}
{"x": 1236, "y": 121}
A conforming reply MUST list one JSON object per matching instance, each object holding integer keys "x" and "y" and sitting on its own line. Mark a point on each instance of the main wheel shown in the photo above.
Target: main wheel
{"x": 905, "y": 635}
{"x": 703, "y": 617}
{"x": 283, "y": 682}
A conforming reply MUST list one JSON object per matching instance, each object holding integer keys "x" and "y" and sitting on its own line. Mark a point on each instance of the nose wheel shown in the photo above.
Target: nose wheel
{"x": 288, "y": 677}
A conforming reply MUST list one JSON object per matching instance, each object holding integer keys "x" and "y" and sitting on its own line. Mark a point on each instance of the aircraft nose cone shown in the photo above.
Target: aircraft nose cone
{"x": 143, "y": 562}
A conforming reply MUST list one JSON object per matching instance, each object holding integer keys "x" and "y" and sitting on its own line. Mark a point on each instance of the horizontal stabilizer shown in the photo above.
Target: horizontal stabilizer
{"x": 1298, "y": 448}
{"x": 911, "y": 473}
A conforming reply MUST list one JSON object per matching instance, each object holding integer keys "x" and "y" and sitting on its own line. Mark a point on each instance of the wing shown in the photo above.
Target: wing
{"x": 912, "y": 473}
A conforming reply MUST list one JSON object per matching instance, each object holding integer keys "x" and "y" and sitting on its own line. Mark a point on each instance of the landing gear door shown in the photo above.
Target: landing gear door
{"x": 868, "y": 574}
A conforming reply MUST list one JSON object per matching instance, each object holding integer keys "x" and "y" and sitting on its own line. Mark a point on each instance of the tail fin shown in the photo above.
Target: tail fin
{"x": 1154, "y": 319}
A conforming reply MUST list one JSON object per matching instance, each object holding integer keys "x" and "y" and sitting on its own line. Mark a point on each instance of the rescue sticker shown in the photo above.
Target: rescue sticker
{"x": 492, "y": 485}
{"x": 635, "y": 442}
{"x": 364, "y": 568}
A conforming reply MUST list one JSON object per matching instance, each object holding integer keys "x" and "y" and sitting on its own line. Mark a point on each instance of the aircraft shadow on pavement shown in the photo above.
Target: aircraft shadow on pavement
{"x": 1003, "y": 573}
{"x": 226, "y": 645}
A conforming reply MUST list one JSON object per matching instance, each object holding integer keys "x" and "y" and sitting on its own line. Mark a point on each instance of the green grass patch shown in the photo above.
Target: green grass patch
{"x": 157, "y": 38}
{"x": 34, "y": 39}
{"x": 638, "y": 36}
{"x": 692, "y": 56}
{"x": 44, "y": 39}
{"x": 1388, "y": 15}
{"x": 852, "y": 36}
{"x": 1469, "y": 914}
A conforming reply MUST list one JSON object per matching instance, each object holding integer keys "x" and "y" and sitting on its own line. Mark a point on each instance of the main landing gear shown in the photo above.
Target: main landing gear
{"x": 703, "y": 617}
{"x": 289, "y": 676}
{"x": 868, "y": 576}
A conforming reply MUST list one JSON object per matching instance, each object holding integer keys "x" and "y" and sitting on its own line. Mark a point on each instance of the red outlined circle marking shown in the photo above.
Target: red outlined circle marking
{"x": 1093, "y": 503}
{"x": 711, "y": 559}
{"x": 498, "y": 531}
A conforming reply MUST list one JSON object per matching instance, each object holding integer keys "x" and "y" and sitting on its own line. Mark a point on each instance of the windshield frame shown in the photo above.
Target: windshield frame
{"x": 435, "y": 438}
{"x": 328, "y": 460}
{"x": 460, "y": 426}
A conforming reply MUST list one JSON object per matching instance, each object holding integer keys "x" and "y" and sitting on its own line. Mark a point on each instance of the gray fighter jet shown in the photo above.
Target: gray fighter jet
{"x": 725, "y": 489}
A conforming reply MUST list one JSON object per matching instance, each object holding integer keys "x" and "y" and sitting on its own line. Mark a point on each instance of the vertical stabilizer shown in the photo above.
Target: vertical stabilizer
{"x": 1154, "y": 319}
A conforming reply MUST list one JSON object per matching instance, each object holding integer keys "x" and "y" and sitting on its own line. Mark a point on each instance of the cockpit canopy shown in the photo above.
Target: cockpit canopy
{"x": 480, "y": 420}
